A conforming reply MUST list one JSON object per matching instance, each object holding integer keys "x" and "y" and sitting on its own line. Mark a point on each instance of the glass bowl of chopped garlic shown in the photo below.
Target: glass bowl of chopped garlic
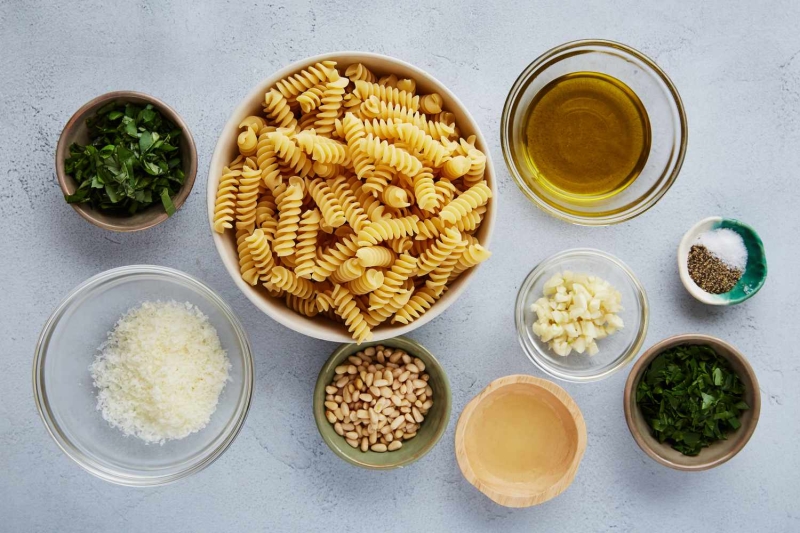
{"x": 581, "y": 315}
{"x": 143, "y": 375}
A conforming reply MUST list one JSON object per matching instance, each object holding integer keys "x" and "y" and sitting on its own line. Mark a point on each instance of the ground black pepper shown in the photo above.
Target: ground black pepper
{"x": 710, "y": 273}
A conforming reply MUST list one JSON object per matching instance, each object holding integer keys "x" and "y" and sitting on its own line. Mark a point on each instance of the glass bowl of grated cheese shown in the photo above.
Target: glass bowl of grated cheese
{"x": 612, "y": 351}
{"x": 66, "y": 391}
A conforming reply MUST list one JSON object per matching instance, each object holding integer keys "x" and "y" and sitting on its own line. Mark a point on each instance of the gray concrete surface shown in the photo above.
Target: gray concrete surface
{"x": 737, "y": 66}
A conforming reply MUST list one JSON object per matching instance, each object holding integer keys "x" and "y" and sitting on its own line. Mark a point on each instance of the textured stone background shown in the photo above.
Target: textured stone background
{"x": 737, "y": 66}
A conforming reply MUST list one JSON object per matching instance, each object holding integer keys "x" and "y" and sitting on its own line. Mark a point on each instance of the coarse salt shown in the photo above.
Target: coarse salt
{"x": 726, "y": 245}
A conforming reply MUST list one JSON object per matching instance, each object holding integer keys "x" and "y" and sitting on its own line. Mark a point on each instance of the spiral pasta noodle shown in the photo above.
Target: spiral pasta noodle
{"x": 277, "y": 109}
{"x": 247, "y": 267}
{"x": 353, "y": 212}
{"x": 318, "y": 73}
{"x": 288, "y": 217}
{"x": 290, "y": 153}
{"x": 388, "y": 228}
{"x": 352, "y": 198}
{"x": 402, "y": 269}
{"x": 331, "y": 106}
{"x": 347, "y": 271}
{"x": 306, "y": 250}
{"x": 328, "y": 203}
{"x": 394, "y": 196}
{"x": 305, "y": 307}
{"x": 285, "y": 279}
{"x": 247, "y": 196}
{"x": 439, "y": 251}
{"x": 359, "y": 72}
{"x": 225, "y": 205}
{"x": 369, "y": 281}
{"x": 329, "y": 260}
{"x": 390, "y": 95}
{"x": 476, "y": 196}
{"x": 389, "y": 154}
{"x": 374, "y": 108}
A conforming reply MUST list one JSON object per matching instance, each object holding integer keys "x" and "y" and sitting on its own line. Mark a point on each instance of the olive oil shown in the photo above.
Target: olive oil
{"x": 587, "y": 136}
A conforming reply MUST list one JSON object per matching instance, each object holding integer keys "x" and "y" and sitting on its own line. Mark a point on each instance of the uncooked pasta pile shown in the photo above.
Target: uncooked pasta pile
{"x": 354, "y": 197}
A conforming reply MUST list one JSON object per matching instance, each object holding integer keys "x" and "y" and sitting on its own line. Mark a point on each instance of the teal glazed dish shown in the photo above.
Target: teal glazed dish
{"x": 755, "y": 273}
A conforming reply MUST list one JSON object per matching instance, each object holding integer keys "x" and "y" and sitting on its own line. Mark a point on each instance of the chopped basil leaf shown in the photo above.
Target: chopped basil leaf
{"x": 132, "y": 159}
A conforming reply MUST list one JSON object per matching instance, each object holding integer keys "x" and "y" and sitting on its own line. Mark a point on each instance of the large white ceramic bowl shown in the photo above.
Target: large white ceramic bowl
{"x": 226, "y": 149}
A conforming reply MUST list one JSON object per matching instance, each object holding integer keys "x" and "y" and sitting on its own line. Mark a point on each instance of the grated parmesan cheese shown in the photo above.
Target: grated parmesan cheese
{"x": 161, "y": 371}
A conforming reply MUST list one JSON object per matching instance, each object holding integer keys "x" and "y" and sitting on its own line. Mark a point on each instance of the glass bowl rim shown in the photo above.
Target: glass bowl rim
{"x": 505, "y": 124}
{"x": 65, "y": 444}
{"x": 621, "y": 361}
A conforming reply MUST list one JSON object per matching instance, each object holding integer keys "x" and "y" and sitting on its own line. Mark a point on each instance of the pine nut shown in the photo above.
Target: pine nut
{"x": 386, "y": 392}
{"x": 388, "y": 438}
{"x": 331, "y": 405}
{"x": 406, "y": 358}
{"x": 352, "y": 370}
{"x": 407, "y": 436}
{"x": 420, "y": 364}
{"x": 380, "y": 448}
{"x": 331, "y": 417}
{"x": 411, "y": 367}
{"x": 372, "y": 368}
{"x": 370, "y": 351}
{"x": 381, "y": 358}
{"x": 396, "y": 400}
{"x": 418, "y": 418}
{"x": 427, "y": 404}
{"x": 359, "y": 384}
{"x": 398, "y": 433}
{"x": 368, "y": 379}
{"x": 429, "y": 391}
{"x": 364, "y": 397}
{"x": 404, "y": 376}
{"x": 330, "y": 389}
{"x": 395, "y": 357}
{"x": 355, "y": 360}
{"x": 364, "y": 444}
{"x": 347, "y": 426}
{"x": 385, "y": 429}
{"x": 375, "y": 391}
{"x": 329, "y": 398}
{"x": 426, "y": 377}
{"x": 341, "y": 369}
{"x": 361, "y": 413}
{"x": 373, "y": 416}
{"x": 338, "y": 414}
{"x": 381, "y": 383}
{"x": 351, "y": 442}
{"x": 399, "y": 421}
{"x": 352, "y": 435}
{"x": 373, "y": 438}
{"x": 342, "y": 381}
{"x": 337, "y": 427}
{"x": 395, "y": 445}
{"x": 419, "y": 384}
{"x": 345, "y": 410}
{"x": 409, "y": 418}
{"x": 405, "y": 409}
{"x": 388, "y": 376}
{"x": 396, "y": 385}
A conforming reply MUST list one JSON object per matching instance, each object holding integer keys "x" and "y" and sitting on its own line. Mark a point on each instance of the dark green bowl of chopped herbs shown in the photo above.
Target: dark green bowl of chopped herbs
{"x": 692, "y": 402}
{"x": 126, "y": 161}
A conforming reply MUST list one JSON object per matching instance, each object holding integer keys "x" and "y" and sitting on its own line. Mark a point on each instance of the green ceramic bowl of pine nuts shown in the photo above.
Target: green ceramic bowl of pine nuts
{"x": 382, "y": 405}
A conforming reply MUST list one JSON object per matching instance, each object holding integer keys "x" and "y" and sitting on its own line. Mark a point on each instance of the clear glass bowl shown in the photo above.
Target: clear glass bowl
{"x": 616, "y": 350}
{"x": 65, "y": 395}
{"x": 664, "y": 109}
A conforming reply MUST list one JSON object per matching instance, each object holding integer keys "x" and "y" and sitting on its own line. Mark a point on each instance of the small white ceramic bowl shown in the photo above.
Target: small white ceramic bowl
{"x": 755, "y": 273}
{"x": 225, "y": 151}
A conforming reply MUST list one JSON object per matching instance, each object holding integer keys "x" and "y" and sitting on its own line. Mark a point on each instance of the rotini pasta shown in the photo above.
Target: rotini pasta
{"x": 476, "y": 196}
{"x": 347, "y": 308}
{"x": 225, "y": 205}
{"x": 306, "y": 254}
{"x": 288, "y": 217}
{"x": 388, "y": 228}
{"x": 285, "y": 279}
{"x": 367, "y": 282}
{"x": 345, "y": 198}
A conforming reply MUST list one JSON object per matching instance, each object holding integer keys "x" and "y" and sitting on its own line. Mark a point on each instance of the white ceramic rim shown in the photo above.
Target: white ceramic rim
{"x": 623, "y": 360}
{"x": 92, "y": 466}
{"x": 683, "y": 262}
{"x": 277, "y": 310}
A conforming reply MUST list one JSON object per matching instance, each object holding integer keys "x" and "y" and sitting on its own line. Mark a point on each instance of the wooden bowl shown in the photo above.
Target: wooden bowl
{"x": 226, "y": 150}
{"x": 75, "y": 131}
{"x": 431, "y": 430}
{"x": 551, "y": 458}
{"x": 719, "y": 452}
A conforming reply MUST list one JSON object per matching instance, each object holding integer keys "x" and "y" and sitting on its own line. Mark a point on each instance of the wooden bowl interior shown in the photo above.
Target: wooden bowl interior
{"x": 431, "y": 430}
{"x": 503, "y": 477}
{"x": 719, "y": 452}
{"x": 226, "y": 150}
{"x": 76, "y": 131}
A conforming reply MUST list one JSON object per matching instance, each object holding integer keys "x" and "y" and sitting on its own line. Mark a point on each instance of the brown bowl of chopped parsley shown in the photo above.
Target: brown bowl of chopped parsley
{"x": 692, "y": 402}
{"x": 126, "y": 161}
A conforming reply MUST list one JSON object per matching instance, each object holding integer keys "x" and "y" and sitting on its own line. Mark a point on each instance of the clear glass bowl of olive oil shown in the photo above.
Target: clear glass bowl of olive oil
{"x": 594, "y": 132}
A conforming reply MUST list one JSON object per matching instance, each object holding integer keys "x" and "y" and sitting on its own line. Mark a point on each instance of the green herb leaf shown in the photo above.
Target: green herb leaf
{"x": 131, "y": 162}
{"x": 691, "y": 398}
